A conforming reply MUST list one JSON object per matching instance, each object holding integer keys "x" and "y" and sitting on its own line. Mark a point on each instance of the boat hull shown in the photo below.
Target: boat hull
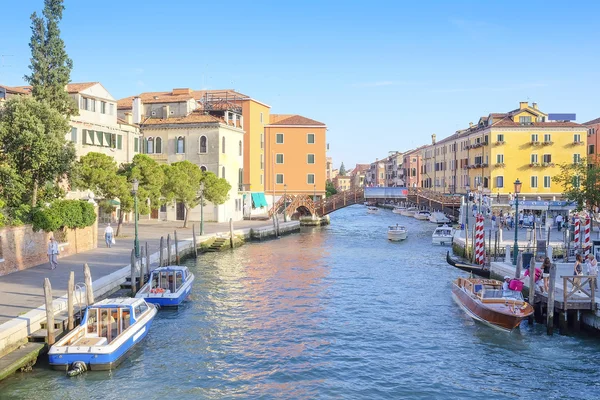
{"x": 373, "y": 211}
{"x": 421, "y": 217}
{"x": 479, "y": 312}
{"x": 397, "y": 211}
{"x": 396, "y": 236}
{"x": 472, "y": 268}
{"x": 170, "y": 300}
{"x": 441, "y": 240}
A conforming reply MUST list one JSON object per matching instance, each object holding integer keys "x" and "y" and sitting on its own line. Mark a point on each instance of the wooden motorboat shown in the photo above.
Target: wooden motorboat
{"x": 442, "y": 235}
{"x": 398, "y": 210}
{"x": 486, "y": 302}
{"x": 473, "y": 268}
{"x": 397, "y": 233}
{"x": 168, "y": 286}
{"x": 439, "y": 218}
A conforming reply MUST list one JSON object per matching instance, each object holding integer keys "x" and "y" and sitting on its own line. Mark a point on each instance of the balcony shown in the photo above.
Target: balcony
{"x": 547, "y": 142}
{"x": 500, "y": 142}
{"x": 535, "y": 143}
{"x": 577, "y": 142}
{"x": 548, "y": 164}
{"x": 533, "y": 165}
{"x": 500, "y": 165}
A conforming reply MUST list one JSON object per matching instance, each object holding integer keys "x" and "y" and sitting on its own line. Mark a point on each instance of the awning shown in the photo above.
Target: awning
{"x": 259, "y": 200}
{"x": 114, "y": 202}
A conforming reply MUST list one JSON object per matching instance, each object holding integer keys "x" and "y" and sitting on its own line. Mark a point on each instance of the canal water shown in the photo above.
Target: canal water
{"x": 335, "y": 312}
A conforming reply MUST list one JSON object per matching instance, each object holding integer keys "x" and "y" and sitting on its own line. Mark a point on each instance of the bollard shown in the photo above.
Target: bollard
{"x": 176, "y": 247}
{"x": 160, "y": 252}
{"x": 49, "y": 311}
{"x": 231, "y": 232}
{"x": 195, "y": 243}
{"x": 168, "y": 250}
{"x": 89, "y": 291}
{"x": 70, "y": 302}
{"x": 132, "y": 272}
{"x": 551, "y": 290}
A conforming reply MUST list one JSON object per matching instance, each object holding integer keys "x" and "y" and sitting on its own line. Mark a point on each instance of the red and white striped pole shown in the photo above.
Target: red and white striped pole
{"x": 586, "y": 235}
{"x": 480, "y": 240}
{"x": 577, "y": 233}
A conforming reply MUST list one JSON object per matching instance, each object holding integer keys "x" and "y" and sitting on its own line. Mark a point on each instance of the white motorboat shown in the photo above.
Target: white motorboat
{"x": 398, "y": 210}
{"x": 439, "y": 218}
{"x": 397, "y": 233}
{"x": 409, "y": 212}
{"x": 422, "y": 215}
{"x": 372, "y": 210}
{"x": 442, "y": 235}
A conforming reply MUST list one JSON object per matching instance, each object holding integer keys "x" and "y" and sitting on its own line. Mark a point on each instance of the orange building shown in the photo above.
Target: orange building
{"x": 593, "y": 140}
{"x": 296, "y": 151}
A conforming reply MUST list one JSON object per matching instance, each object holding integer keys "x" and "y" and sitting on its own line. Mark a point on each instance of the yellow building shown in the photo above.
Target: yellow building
{"x": 256, "y": 116}
{"x": 502, "y": 147}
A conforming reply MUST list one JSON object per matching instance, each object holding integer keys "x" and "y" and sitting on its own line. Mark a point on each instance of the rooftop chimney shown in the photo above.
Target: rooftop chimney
{"x": 433, "y": 138}
{"x": 534, "y": 105}
{"x": 136, "y": 109}
{"x": 523, "y": 105}
{"x": 129, "y": 118}
{"x": 470, "y": 124}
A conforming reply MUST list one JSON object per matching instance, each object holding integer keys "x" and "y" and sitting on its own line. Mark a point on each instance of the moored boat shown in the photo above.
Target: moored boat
{"x": 473, "y": 268}
{"x": 108, "y": 332}
{"x": 398, "y": 210}
{"x": 442, "y": 235}
{"x": 485, "y": 301}
{"x": 409, "y": 212}
{"x": 397, "y": 233}
{"x": 372, "y": 210}
{"x": 168, "y": 286}
{"x": 422, "y": 215}
{"x": 439, "y": 218}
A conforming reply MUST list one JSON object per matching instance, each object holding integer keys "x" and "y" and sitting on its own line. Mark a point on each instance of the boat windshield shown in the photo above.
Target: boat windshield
{"x": 502, "y": 294}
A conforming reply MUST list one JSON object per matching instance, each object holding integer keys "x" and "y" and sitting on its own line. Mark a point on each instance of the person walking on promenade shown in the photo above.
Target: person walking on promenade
{"x": 53, "y": 253}
{"x": 108, "y": 236}
{"x": 592, "y": 269}
{"x": 494, "y": 220}
{"x": 546, "y": 272}
{"x": 559, "y": 220}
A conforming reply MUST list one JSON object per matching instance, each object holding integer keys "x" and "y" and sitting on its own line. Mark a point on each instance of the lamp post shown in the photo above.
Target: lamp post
{"x": 479, "y": 189}
{"x": 315, "y": 193}
{"x": 516, "y": 245}
{"x": 468, "y": 189}
{"x": 136, "y": 242}
{"x": 201, "y": 208}
{"x": 284, "y": 202}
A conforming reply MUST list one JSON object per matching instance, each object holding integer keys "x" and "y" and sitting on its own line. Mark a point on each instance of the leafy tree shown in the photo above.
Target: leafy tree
{"x": 50, "y": 65}
{"x": 183, "y": 184}
{"x": 580, "y": 183}
{"x": 151, "y": 178}
{"x": 216, "y": 190}
{"x": 330, "y": 189}
{"x": 32, "y": 139}
{"x": 64, "y": 214}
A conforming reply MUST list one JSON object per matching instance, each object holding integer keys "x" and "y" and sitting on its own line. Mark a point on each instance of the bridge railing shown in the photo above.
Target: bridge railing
{"x": 339, "y": 200}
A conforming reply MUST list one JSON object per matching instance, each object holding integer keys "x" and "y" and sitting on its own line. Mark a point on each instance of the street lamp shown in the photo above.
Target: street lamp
{"x": 479, "y": 189}
{"x": 136, "y": 242}
{"x": 516, "y": 246}
{"x": 315, "y": 193}
{"x": 468, "y": 189}
{"x": 284, "y": 202}
{"x": 201, "y": 208}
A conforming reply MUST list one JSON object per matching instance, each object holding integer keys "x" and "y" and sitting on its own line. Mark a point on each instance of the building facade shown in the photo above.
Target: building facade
{"x": 411, "y": 166}
{"x": 593, "y": 140}
{"x": 375, "y": 176}
{"x": 296, "y": 156}
{"x": 342, "y": 183}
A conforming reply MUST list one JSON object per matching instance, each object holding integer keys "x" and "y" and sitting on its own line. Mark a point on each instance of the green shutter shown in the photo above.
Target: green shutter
{"x": 136, "y": 144}
{"x": 99, "y": 138}
{"x": 119, "y": 142}
{"x": 107, "y": 141}
{"x": 84, "y": 136}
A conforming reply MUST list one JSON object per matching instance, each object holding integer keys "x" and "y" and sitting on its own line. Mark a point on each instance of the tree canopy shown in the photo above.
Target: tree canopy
{"x": 330, "y": 189}
{"x": 580, "y": 183}
{"x": 50, "y": 65}
{"x": 216, "y": 190}
{"x": 342, "y": 170}
{"x": 151, "y": 178}
{"x": 182, "y": 184}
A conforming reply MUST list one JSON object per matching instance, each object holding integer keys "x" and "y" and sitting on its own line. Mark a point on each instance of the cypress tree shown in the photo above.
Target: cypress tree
{"x": 50, "y": 65}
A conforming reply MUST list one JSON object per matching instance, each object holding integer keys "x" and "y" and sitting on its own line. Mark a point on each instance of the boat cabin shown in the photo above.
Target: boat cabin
{"x": 489, "y": 290}
{"x": 443, "y": 231}
{"x": 169, "y": 278}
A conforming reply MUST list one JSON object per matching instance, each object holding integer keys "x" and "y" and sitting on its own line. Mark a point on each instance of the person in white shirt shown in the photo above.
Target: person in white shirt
{"x": 506, "y": 283}
{"x": 53, "y": 253}
{"x": 108, "y": 236}
{"x": 592, "y": 268}
{"x": 559, "y": 220}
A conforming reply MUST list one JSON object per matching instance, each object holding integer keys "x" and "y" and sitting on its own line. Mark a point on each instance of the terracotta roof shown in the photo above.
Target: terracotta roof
{"x": 78, "y": 87}
{"x": 274, "y": 118}
{"x": 180, "y": 95}
{"x": 195, "y": 117}
{"x": 17, "y": 89}
{"x": 510, "y": 123}
{"x": 592, "y": 122}
{"x": 124, "y": 122}
{"x": 294, "y": 120}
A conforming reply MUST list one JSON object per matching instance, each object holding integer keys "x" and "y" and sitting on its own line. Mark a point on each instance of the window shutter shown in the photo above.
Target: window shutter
{"x": 119, "y": 142}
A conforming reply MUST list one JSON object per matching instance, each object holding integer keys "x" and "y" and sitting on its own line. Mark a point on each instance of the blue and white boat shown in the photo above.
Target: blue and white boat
{"x": 109, "y": 330}
{"x": 168, "y": 286}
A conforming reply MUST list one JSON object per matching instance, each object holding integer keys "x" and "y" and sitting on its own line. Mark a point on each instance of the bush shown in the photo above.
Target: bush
{"x": 64, "y": 214}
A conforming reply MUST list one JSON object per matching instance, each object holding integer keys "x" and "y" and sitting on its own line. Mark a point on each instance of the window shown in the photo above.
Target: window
{"x": 534, "y": 158}
{"x": 547, "y": 182}
{"x": 180, "y": 145}
{"x": 261, "y": 118}
{"x": 150, "y": 146}
{"x": 262, "y": 141}
{"x": 310, "y": 138}
{"x": 310, "y": 159}
{"x": 534, "y": 182}
{"x": 310, "y": 179}
{"x": 499, "y": 181}
{"x": 240, "y": 146}
{"x": 202, "y": 144}
{"x": 576, "y": 138}
{"x": 279, "y": 138}
{"x": 119, "y": 142}
{"x": 91, "y": 103}
{"x": 136, "y": 145}
{"x": 500, "y": 158}
{"x": 524, "y": 120}
{"x": 240, "y": 179}
{"x": 74, "y": 135}
{"x": 107, "y": 139}
{"x": 113, "y": 141}
{"x": 111, "y": 108}
{"x": 203, "y": 168}
{"x": 547, "y": 158}
{"x": 591, "y": 149}
{"x": 279, "y": 179}
{"x": 102, "y": 107}
{"x": 261, "y": 179}
{"x": 223, "y": 145}
{"x": 576, "y": 181}
{"x": 222, "y": 172}
{"x": 576, "y": 158}
{"x": 262, "y": 161}
{"x": 100, "y": 138}
{"x": 279, "y": 159}
{"x": 547, "y": 138}
{"x": 534, "y": 137}
{"x": 157, "y": 145}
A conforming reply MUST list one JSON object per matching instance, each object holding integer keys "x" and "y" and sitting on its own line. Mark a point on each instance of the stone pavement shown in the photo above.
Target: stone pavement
{"x": 22, "y": 291}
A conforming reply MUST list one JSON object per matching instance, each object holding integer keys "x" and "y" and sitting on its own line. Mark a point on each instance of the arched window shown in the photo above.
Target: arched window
{"x": 158, "y": 145}
{"x": 240, "y": 147}
{"x": 223, "y": 145}
{"x": 223, "y": 172}
{"x": 202, "y": 144}
{"x": 150, "y": 146}
{"x": 203, "y": 168}
{"x": 180, "y": 145}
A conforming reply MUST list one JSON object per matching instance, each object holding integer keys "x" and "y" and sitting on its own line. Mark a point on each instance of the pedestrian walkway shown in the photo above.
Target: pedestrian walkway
{"x": 22, "y": 291}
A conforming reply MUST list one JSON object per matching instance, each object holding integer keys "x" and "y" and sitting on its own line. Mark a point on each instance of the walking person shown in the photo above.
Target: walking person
{"x": 108, "y": 236}
{"x": 53, "y": 253}
{"x": 494, "y": 220}
{"x": 577, "y": 269}
{"x": 592, "y": 269}
{"x": 546, "y": 272}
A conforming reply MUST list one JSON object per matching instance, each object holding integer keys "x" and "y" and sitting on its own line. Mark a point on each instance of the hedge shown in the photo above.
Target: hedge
{"x": 64, "y": 214}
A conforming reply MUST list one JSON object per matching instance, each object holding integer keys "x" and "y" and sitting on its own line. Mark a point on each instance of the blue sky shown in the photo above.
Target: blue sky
{"x": 382, "y": 75}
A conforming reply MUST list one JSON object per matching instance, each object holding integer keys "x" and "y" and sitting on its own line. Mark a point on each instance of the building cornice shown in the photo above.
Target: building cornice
{"x": 296, "y": 126}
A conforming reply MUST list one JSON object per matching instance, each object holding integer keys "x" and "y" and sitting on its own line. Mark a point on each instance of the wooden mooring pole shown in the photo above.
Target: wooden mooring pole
{"x": 142, "y": 262}
{"x": 132, "y": 272}
{"x": 176, "y": 248}
{"x": 147, "y": 270}
{"x": 231, "y": 231}
{"x": 89, "y": 290}
{"x": 70, "y": 301}
{"x": 168, "y": 250}
{"x": 49, "y": 312}
{"x": 194, "y": 242}
{"x": 161, "y": 251}
{"x": 551, "y": 292}
{"x": 532, "y": 287}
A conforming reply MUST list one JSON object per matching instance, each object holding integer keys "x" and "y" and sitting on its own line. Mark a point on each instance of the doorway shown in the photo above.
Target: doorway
{"x": 180, "y": 211}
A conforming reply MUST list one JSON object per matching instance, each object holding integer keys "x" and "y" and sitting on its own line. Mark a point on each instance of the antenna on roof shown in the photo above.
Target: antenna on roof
{"x": 2, "y": 60}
